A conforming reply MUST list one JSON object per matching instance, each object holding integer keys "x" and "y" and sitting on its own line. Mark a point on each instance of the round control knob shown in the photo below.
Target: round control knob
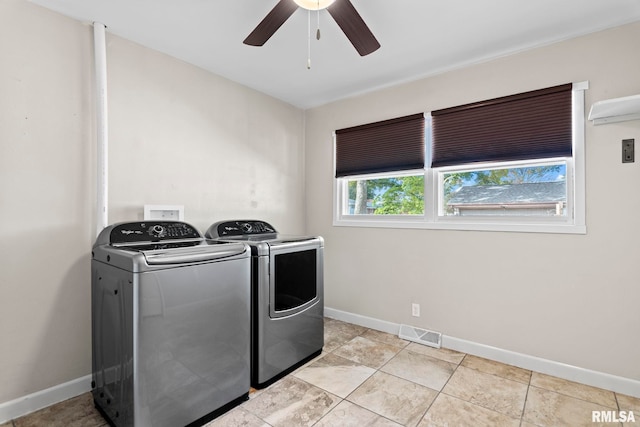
{"x": 157, "y": 230}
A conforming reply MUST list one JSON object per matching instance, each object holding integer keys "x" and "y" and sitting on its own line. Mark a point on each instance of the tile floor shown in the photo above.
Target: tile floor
{"x": 369, "y": 378}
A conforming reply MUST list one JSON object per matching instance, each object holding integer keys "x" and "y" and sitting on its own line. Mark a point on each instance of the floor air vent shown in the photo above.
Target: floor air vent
{"x": 422, "y": 336}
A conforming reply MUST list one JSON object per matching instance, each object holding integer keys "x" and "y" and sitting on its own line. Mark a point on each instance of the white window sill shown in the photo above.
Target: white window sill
{"x": 418, "y": 222}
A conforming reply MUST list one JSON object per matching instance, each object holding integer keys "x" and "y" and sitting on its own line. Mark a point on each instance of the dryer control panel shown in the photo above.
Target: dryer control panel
{"x": 152, "y": 231}
{"x": 240, "y": 228}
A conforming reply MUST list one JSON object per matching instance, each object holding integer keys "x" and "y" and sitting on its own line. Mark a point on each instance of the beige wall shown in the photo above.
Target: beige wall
{"x": 178, "y": 135}
{"x": 573, "y": 299}
{"x": 181, "y": 135}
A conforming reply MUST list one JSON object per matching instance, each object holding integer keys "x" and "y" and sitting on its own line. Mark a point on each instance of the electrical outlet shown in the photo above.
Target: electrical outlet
{"x": 415, "y": 310}
{"x": 628, "y": 155}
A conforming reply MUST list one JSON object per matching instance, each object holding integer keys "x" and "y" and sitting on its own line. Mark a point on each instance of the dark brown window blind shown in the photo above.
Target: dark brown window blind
{"x": 390, "y": 145}
{"x": 530, "y": 125}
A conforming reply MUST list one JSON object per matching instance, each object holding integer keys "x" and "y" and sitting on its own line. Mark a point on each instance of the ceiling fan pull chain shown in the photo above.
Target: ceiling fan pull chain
{"x": 308, "y": 39}
{"x": 318, "y": 31}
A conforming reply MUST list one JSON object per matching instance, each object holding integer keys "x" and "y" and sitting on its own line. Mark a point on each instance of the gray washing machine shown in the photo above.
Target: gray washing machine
{"x": 170, "y": 324}
{"x": 287, "y": 291}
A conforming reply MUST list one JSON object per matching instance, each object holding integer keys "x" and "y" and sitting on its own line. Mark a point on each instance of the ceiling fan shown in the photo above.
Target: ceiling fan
{"x": 342, "y": 11}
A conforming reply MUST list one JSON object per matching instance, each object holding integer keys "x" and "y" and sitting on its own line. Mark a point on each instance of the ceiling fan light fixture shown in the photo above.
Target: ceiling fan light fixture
{"x": 343, "y": 12}
{"x": 314, "y": 4}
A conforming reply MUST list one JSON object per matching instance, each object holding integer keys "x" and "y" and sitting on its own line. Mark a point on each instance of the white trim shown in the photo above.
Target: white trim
{"x": 336, "y": 190}
{"x": 579, "y": 147}
{"x": 102, "y": 127}
{"x": 41, "y": 399}
{"x": 545, "y": 366}
{"x": 367, "y": 322}
{"x": 602, "y": 380}
{"x": 459, "y": 226}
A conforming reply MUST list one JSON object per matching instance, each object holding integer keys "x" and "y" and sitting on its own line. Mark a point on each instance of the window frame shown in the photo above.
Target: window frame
{"x": 573, "y": 223}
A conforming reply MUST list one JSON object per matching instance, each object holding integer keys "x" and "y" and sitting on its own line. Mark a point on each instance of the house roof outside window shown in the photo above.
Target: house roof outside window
{"x": 537, "y": 197}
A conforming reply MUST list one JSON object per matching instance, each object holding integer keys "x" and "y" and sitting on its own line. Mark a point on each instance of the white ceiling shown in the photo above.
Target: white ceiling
{"x": 418, "y": 37}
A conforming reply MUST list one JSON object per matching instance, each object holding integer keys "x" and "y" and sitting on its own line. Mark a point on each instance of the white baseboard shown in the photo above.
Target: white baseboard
{"x": 367, "y": 322}
{"x": 41, "y": 399}
{"x": 545, "y": 366}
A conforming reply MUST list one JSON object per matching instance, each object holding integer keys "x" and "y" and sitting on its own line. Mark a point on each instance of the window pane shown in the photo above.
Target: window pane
{"x": 402, "y": 195}
{"x": 539, "y": 190}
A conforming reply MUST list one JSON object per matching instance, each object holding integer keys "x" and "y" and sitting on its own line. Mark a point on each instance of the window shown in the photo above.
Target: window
{"x": 513, "y": 189}
{"x": 380, "y": 168}
{"x": 513, "y": 163}
{"x": 389, "y": 194}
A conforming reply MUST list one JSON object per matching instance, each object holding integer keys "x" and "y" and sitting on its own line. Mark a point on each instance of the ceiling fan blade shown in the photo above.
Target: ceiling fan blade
{"x": 270, "y": 24}
{"x": 354, "y": 27}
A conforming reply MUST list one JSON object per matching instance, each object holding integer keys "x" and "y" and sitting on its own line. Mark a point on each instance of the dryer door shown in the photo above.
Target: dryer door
{"x": 295, "y": 279}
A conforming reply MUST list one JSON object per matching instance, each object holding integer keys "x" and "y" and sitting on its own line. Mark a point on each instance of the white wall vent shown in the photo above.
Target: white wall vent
{"x": 421, "y": 336}
{"x": 615, "y": 110}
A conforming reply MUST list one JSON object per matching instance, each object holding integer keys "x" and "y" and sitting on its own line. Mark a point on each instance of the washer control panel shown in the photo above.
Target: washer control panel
{"x": 152, "y": 231}
{"x": 241, "y": 228}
